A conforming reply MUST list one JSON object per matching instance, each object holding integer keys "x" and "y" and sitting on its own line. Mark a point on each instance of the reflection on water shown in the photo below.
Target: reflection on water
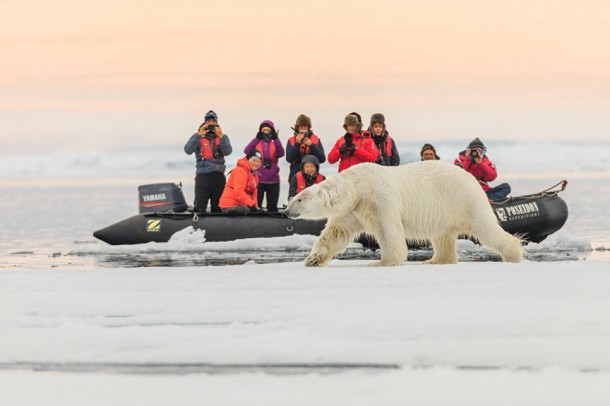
{"x": 178, "y": 368}
{"x": 240, "y": 258}
{"x": 94, "y": 259}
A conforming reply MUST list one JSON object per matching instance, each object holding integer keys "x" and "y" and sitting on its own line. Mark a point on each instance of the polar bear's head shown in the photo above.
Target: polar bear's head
{"x": 333, "y": 197}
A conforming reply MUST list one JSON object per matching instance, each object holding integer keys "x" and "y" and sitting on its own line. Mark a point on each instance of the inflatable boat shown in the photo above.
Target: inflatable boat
{"x": 163, "y": 212}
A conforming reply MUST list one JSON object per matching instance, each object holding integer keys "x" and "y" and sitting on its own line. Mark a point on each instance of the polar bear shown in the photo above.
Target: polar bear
{"x": 428, "y": 200}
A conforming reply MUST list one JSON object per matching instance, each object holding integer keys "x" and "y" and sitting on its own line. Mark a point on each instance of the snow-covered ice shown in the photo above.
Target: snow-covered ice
{"x": 504, "y": 324}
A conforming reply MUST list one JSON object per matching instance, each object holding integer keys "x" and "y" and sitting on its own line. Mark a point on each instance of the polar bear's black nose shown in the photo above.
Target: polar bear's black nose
{"x": 291, "y": 214}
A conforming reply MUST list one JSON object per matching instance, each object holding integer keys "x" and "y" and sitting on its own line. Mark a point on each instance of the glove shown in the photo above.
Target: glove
{"x": 342, "y": 149}
{"x": 273, "y": 134}
{"x": 351, "y": 149}
{"x": 349, "y": 138}
{"x": 261, "y": 135}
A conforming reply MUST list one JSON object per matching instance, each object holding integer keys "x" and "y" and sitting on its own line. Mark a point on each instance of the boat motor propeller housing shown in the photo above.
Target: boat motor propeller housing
{"x": 161, "y": 197}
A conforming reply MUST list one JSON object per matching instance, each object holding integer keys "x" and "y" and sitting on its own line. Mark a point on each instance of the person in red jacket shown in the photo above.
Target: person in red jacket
{"x": 474, "y": 161}
{"x": 241, "y": 192}
{"x": 355, "y": 147}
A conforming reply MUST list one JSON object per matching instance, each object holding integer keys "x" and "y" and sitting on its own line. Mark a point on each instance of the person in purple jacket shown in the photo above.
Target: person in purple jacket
{"x": 270, "y": 147}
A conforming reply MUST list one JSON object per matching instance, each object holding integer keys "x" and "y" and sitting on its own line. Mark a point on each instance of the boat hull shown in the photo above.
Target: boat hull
{"x": 532, "y": 218}
{"x": 159, "y": 227}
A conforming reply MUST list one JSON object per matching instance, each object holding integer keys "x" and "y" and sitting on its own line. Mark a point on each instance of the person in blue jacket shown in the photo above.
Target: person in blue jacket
{"x": 210, "y": 146}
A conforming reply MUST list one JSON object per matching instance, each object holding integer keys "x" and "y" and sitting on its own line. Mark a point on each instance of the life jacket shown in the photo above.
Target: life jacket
{"x": 387, "y": 146}
{"x": 207, "y": 151}
{"x": 260, "y": 148}
{"x": 302, "y": 183}
{"x": 304, "y": 148}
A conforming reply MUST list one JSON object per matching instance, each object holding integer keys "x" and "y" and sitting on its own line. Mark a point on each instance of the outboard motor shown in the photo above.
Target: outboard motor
{"x": 161, "y": 197}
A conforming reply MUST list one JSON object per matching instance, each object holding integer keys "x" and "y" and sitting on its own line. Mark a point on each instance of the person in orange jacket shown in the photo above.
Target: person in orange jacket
{"x": 355, "y": 147}
{"x": 241, "y": 192}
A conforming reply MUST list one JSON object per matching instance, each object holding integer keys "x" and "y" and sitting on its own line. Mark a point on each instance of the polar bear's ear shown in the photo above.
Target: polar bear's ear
{"x": 324, "y": 195}
{"x": 328, "y": 197}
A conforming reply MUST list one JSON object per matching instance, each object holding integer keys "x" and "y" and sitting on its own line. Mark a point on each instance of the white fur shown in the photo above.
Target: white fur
{"x": 429, "y": 200}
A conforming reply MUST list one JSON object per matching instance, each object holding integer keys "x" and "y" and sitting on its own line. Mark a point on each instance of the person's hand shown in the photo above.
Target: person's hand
{"x": 202, "y": 130}
{"x": 299, "y": 137}
{"x": 218, "y": 131}
{"x": 260, "y": 135}
{"x": 351, "y": 149}
{"x": 273, "y": 134}
{"x": 307, "y": 141}
{"x": 343, "y": 149}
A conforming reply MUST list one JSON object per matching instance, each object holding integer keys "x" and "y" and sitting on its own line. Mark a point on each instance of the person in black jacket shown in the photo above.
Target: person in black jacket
{"x": 308, "y": 176}
{"x": 304, "y": 142}
{"x": 388, "y": 154}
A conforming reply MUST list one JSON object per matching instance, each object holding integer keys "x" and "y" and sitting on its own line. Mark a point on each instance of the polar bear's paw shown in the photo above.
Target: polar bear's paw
{"x": 381, "y": 263}
{"x": 315, "y": 259}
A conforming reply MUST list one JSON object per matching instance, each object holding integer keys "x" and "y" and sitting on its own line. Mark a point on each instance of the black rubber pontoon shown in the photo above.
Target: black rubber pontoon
{"x": 159, "y": 227}
{"x": 532, "y": 218}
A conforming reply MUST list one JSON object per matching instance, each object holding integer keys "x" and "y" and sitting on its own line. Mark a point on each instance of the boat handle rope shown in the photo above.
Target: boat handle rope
{"x": 563, "y": 184}
{"x": 290, "y": 228}
{"x": 195, "y": 217}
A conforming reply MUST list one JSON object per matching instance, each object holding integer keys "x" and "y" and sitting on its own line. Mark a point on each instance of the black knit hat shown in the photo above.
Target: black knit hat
{"x": 210, "y": 115}
{"x": 254, "y": 152}
{"x": 476, "y": 143}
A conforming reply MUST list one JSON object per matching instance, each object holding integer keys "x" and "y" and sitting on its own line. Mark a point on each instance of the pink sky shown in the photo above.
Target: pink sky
{"x": 96, "y": 73}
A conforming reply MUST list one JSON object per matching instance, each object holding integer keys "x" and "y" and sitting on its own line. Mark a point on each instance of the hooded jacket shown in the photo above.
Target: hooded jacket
{"x": 241, "y": 188}
{"x": 213, "y": 164}
{"x": 366, "y": 151}
{"x": 305, "y": 179}
{"x": 270, "y": 149}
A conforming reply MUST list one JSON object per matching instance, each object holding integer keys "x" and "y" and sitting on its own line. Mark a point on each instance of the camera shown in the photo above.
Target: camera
{"x": 267, "y": 163}
{"x": 474, "y": 153}
{"x": 211, "y": 128}
{"x": 305, "y": 134}
{"x": 349, "y": 139}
